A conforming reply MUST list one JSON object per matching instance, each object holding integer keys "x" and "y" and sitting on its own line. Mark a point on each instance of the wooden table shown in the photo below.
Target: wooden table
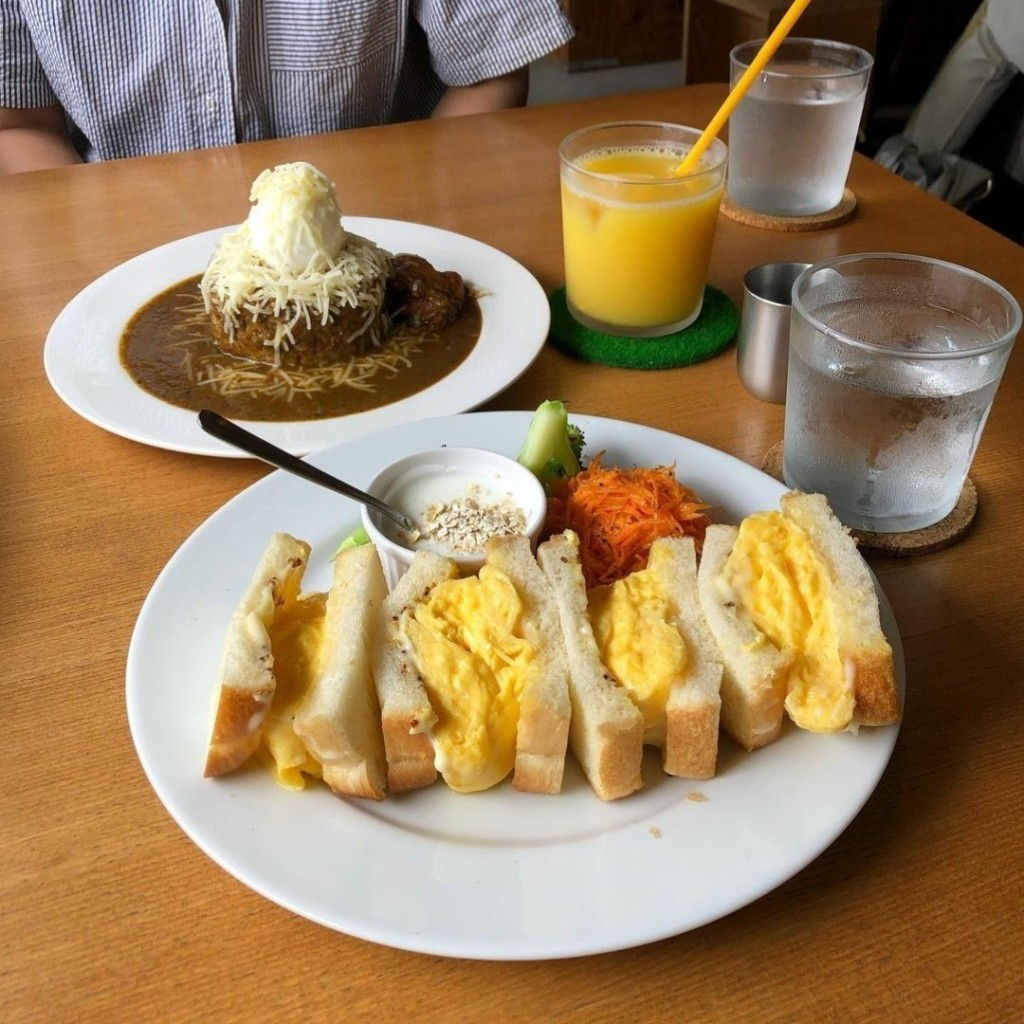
{"x": 111, "y": 914}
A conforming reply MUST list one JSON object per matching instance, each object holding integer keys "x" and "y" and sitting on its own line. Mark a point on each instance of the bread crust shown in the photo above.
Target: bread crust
{"x": 606, "y": 729}
{"x": 406, "y": 714}
{"x": 238, "y": 728}
{"x": 694, "y": 704}
{"x": 691, "y": 741}
{"x": 246, "y": 684}
{"x": 874, "y": 687}
{"x": 754, "y": 671}
{"x": 339, "y": 719}
{"x": 863, "y": 646}
{"x": 755, "y": 676}
{"x": 542, "y": 737}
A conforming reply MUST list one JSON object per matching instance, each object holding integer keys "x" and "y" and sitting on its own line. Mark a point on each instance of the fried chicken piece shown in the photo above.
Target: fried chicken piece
{"x": 421, "y": 296}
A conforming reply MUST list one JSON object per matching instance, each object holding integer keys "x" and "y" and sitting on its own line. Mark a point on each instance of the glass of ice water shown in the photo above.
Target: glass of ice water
{"x": 791, "y": 137}
{"x": 894, "y": 361}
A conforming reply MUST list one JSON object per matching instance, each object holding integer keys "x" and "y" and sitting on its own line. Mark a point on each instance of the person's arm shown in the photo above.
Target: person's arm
{"x": 492, "y": 94}
{"x": 34, "y": 139}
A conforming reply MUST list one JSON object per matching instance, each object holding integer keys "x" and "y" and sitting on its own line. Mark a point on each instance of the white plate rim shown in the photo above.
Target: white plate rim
{"x": 443, "y": 906}
{"x": 82, "y": 360}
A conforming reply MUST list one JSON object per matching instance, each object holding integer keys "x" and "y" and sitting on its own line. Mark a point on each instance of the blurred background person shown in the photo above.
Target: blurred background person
{"x": 83, "y": 81}
{"x": 980, "y": 68}
{"x": 948, "y": 103}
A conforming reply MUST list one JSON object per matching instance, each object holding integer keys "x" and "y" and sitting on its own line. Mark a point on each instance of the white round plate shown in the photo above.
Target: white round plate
{"x": 499, "y": 875}
{"x": 83, "y": 364}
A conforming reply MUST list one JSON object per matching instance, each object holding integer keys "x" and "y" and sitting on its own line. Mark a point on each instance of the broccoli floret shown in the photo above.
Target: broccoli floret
{"x": 576, "y": 442}
{"x": 553, "y": 447}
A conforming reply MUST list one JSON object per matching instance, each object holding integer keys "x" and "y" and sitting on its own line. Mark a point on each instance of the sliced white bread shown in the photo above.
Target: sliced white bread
{"x": 339, "y": 719}
{"x": 544, "y": 710}
{"x": 246, "y": 684}
{"x": 406, "y": 714}
{"x": 693, "y": 708}
{"x": 754, "y": 671}
{"x": 863, "y": 648}
{"x": 606, "y": 730}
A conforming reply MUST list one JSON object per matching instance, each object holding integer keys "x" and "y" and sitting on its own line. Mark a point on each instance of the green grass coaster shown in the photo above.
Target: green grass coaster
{"x": 711, "y": 332}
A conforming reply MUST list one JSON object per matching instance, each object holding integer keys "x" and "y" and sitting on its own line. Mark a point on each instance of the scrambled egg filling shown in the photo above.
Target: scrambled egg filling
{"x": 469, "y": 648}
{"x": 296, "y": 641}
{"x": 639, "y": 643}
{"x": 786, "y": 590}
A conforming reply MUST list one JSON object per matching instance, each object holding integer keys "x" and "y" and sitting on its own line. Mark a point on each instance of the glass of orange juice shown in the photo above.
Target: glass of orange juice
{"x": 637, "y": 236}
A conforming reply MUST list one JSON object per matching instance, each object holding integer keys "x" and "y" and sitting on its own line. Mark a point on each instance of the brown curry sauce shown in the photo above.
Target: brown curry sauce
{"x": 167, "y": 348}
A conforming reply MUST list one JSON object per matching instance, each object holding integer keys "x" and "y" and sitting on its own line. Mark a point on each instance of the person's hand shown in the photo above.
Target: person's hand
{"x": 34, "y": 139}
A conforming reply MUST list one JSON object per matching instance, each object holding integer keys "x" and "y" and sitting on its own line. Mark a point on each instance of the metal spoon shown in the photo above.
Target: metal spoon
{"x": 225, "y": 430}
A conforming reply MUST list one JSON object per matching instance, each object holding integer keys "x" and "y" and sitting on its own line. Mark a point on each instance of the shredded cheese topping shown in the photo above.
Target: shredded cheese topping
{"x": 239, "y": 283}
{"x": 228, "y": 375}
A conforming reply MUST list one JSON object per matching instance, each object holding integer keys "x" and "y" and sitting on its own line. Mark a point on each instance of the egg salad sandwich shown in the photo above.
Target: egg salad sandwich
{"x": 606, "y": 730}
{"x": 471, "y": 675}
{"x": 792, "y": 606}
{"x": 644, "y": 667}
{"x": 295, "y": 682}
{"x": 246, "y": 684}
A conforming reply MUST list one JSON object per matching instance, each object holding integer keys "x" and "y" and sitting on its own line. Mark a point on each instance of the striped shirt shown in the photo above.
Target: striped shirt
{"x": 154, "y": 76}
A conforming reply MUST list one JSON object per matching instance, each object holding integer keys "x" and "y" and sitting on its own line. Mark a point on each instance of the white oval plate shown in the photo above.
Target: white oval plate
{"x": 82, "y": 351}
{"x": 496, "y": 875}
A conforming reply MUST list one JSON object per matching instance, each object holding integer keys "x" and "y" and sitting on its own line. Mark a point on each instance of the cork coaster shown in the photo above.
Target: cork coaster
{"x": 839, "y": 213}
{"x": 914, "y": 542}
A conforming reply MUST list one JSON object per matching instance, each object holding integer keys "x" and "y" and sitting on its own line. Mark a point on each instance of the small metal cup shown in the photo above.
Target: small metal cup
{"x": 762, "y": 346}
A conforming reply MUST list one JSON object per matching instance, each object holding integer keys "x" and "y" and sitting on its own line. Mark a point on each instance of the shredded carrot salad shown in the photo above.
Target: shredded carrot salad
{"x": 618, "y": 513}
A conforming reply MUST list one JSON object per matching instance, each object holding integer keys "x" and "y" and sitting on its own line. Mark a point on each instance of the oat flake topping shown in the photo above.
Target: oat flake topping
{"x": 465, "y": 524}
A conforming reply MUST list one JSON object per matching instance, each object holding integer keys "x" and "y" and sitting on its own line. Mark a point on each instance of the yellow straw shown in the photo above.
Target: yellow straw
{"x": 739, "y": 90}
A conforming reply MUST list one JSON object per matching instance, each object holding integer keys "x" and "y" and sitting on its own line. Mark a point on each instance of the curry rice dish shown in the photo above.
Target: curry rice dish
{"x": 294, "y": 307}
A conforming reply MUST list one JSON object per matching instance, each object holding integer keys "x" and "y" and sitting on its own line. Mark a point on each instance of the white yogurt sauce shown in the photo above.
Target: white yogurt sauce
{"x": 425, "y": 486}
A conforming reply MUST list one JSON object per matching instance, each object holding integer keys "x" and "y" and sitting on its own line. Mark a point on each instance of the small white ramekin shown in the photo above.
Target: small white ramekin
{"x": 446, "y": 474}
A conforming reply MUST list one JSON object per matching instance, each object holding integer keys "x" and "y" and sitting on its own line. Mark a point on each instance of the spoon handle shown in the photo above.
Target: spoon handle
{"x": 238, "y": 437}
